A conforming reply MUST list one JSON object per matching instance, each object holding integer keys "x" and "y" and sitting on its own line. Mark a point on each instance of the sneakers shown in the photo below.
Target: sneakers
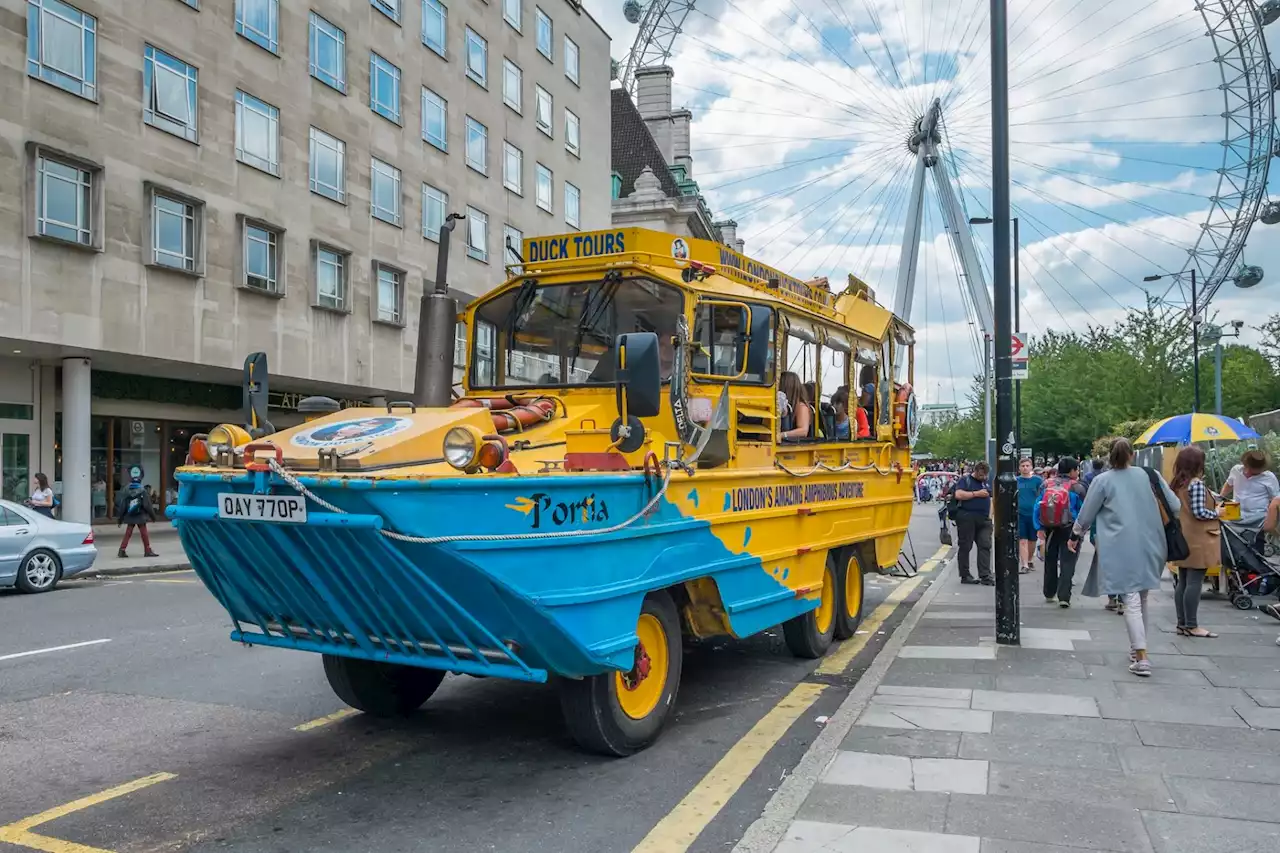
{"x": 122, "y": 554}
{"x": 1064, "y": 604}
{"x": 151, "y": 554}
{"x": 1141, "y": 668}
{"x": 966, "y": 579}
{"x": 1049, "y": 599}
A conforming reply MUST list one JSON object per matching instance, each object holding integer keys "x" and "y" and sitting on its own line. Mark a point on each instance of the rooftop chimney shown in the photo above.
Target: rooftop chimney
{"x": 653, "y": 100}
{"x": 681, "y": 155}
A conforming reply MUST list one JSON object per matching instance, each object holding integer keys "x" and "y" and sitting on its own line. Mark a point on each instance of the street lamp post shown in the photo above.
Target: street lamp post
{"x": 1017, "y": 318}
{"x": 1213, "y": 334}
{"x": 1195, "y": 337}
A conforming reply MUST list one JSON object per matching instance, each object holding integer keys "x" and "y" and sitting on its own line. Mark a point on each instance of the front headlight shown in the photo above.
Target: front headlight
{"x": 462, "y": 447}
{"x": 228, "y": 435}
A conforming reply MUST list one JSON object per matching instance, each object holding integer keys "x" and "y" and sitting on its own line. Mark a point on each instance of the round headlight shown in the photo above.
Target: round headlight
{"x": 228, "y": 435}
{"x": 461, "y": 447}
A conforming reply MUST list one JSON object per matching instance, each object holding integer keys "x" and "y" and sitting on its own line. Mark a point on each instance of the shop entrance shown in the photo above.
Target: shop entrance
{"x": 17, "y": 425}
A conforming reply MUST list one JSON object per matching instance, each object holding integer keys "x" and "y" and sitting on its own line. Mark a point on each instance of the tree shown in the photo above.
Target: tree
{"x": 1249, "y": 383}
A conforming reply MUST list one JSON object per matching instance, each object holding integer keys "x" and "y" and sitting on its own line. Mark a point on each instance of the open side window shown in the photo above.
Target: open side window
{"x": 732, "y": 342}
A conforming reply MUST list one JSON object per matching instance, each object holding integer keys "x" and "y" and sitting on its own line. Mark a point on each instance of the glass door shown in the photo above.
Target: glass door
{"x": 15, "y": 464}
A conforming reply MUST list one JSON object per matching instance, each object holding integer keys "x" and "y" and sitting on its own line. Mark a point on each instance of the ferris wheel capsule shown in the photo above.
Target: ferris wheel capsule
{"x": 1270, "y": 214}
{"x": 631, "y": 11}
{"x": 1269, "y": 12}
{"x": 1247, "y": 276}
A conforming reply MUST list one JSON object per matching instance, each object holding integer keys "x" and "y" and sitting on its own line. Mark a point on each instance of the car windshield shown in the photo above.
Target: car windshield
{"x": 564, "y": 335}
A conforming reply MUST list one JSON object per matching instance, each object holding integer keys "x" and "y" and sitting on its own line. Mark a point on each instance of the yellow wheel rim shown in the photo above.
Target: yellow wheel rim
{"x": 853, "y": 588}
{"x": 640, "y": 690}
{"x": 827, "y": 604}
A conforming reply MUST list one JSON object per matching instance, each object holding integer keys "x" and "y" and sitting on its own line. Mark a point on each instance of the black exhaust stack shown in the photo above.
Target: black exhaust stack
{"x": 437, "y": 318}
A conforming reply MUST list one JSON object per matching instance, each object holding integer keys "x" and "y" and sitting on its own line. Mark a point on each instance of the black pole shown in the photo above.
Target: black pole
{"x": 1006, "y": 519}
{"x": 1195, "y": 341}
{"x": 1017, "y": 327}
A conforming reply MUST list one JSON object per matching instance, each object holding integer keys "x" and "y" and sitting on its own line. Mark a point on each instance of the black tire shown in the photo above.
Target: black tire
{"x": 381, "y": 689}
{"x": 33, "y": 574}
{"x": 802, "y": 633}
{"x": 1242, "y": 602}
{"x": 848, "y": 618}
{"x": 591, "y": 709}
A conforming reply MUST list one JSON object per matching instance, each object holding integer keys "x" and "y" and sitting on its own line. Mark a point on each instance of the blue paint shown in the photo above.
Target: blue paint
{"x": 728, "y": 501}
{"x": 693, "y": 497}
{"x": 746, "y": 537}
{"x": 786, "y": 573}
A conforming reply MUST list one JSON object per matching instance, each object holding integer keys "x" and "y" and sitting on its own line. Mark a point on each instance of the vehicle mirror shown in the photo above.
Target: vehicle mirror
{"x": 761, "y": 323}
{"x": 639, "y": 373}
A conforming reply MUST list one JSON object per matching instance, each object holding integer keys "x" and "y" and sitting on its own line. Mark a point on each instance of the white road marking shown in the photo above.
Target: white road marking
{"x": 53, "y": 649}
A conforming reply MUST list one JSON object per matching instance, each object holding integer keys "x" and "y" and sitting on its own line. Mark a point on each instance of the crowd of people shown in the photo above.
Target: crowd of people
{"x": 1136, "y": 521}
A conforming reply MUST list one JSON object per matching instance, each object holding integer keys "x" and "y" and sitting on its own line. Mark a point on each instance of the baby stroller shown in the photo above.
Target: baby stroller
{"x": 1249, "y": 572}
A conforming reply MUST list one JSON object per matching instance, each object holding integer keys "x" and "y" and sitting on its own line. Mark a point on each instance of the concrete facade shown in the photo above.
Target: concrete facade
{"x": 106, "y": 299}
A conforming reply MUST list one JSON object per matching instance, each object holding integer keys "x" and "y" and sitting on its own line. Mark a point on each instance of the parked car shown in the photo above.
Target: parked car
{"x": 37, "y": 551}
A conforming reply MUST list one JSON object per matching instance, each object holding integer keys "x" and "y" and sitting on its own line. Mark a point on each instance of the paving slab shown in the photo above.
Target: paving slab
{"x": 1153, "y": 691}
{"x": 908, "y": 678}
{"x": 947, "y": 653}
{"x": 1097, "y": 689}
{"x": 811, "y": 836}
{"x": 920, "y": 701}
{"x": 1268, "y": 663}
{"x": 1202, "y": 763}
{"x": 1060, "y": 644}
{"x": 1246, "y": 679}
{"x": 940, "y": 719}
{"x": 1261, "y": 718}
{"x": 1137, "y": 709}
{"x": 1195, "y": 677}
{"x": 1219, "y": 798}
{"x": 1068, "y": 824}
{"x": 959, "y": 693}
{"x": 1045, "y": 668}
{"x": 1002, "y": 845}
{"x": 924, "y": 666}
{"x": 1264, "y": 697}
{"x": 1161, "y": 661}
{"x": 917, "y": 810}
{"x": 949, "y": 775}
{"x": 968, "y": 634}
{"x": 1073, "y": 784}
{"x": 874, "y": 839}
{"x": 1202, "y": 737}
{"x": 1046, "y": 727}
{"x": 1023, "y": 655}
{"x": 1061, "y": 633}
{"x": 1035, "y": 751}
{"x": 914, "y": 743}
{"x": 1035, "y": 703}
{"x": 870, "y": 770}
{"x": 1233, "y": 648}
{"x": 1179, "y": 833}
{"x": 935, "y": 615}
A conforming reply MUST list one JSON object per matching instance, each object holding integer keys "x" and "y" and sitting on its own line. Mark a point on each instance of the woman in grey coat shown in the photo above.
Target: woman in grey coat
{"x": 1131, "y": 544}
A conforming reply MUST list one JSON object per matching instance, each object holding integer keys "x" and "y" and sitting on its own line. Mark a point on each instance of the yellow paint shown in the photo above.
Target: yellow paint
{"x": 853, "y": 586}
{"x": 638, "y": 699}
{"x": 326, "y": 720}
{"x": 827, "y": 603}
{"x": 20, "y": 834}
{"x": 682, "y": 825}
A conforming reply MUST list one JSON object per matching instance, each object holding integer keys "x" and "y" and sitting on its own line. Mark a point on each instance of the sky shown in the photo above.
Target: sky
{"x": 802, "y": 109}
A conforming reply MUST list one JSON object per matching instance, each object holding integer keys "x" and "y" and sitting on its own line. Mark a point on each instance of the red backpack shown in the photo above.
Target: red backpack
{"x": 1055, "y": 506}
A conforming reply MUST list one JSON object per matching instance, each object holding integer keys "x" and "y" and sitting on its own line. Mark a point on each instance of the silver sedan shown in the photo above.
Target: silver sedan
{"x": 37, "y": 551}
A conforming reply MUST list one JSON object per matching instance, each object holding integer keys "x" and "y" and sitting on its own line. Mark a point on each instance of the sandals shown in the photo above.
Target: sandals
{"x": 1189, "y": 632}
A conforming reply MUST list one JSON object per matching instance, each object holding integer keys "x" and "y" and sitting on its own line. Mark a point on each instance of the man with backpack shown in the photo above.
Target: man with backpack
{"x": 1056, "y": 510}
{"x": 134, "y": 508}
{"x": 971, "y": 510}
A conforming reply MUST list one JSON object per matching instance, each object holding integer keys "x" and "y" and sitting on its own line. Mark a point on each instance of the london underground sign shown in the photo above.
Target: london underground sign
{"x": 1020, "y": 351}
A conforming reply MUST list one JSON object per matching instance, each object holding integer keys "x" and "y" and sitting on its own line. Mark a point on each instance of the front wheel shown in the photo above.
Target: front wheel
{"x": 809, "y": 635}
{"x": 39, "y": 571}
{"x": 849, "y": 609}
{"x": 380, "y": 689}
{"x": 621, "y": 713}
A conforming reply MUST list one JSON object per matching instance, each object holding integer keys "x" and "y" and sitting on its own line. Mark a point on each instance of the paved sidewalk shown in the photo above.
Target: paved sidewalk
{"x": 966, "y": 747}
{"x": 164, "y": 540}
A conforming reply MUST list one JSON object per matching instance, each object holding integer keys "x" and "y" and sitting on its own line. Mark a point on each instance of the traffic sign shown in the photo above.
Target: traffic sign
{"x": 1020, "y": 351}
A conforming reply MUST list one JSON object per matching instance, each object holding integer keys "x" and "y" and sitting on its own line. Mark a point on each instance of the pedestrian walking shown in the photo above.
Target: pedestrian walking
{"x": 1126, "y": 503}
{"x": 973, "y": 523}
{"x": 1199, "y": 517}
{"x": 1055, "y": 513}
{"x": 134, "y": 508}
{"x": 1029, "y": 485}
{"x": 1095, "y": 468}
{"x": 41, "y": 499}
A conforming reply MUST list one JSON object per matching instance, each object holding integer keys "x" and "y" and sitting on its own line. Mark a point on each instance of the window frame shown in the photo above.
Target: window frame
{"x": 483, "y": 166}
{"x": 481, "y": 255}
{"x": 313, "y": 182}
{"x": 444, "y": 208}
{"x": 402, "y": 277}
{"x": 344, "y": 277}
{"x": 548, "y": 128}
{"x": 519, "y": 15}
{"x": 443, "y": 104}
{"x": 481, "y": 77}
{"x": 517, "y": 186}
{"x": 539, "y": 17}
{"x": 395, "y": 175}
{"x": 507, "y": 67}
{"x": 576, "y": 222}
{"x": 271, "y": 167}
{"x": 154, "y": 191}
{"x": 86, "y": 86}
{"x": 151, "y": 115}
{"x": 576, "y": 77}
{"x": 268, "y": 41}
{"x": 549, "y": 207}
{"x": 442, "y": 15}
{"x": 92, "y": 202}
{"x": 315, "y": 29}
{"x": 394, "y": 71}
{"x": 390, "y": 8}
{"x": 572, "y": 138}
{"x": 244, "y": 223}
{"x": 768, "y": 380}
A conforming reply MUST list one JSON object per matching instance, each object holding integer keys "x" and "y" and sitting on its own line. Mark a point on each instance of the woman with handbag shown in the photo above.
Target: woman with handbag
{"x": 1199, "y": 519}
{"x": 1137, "y": 516}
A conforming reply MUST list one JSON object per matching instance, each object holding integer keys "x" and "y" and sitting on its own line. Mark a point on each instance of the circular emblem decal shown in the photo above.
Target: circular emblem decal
{"x": 352, "y": 431}
{"x": 1212, "y": 431}
{"x": 679, "y": 249}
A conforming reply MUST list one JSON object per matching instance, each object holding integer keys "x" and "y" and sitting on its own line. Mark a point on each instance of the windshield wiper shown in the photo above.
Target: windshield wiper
{"x": 524, "y": 298}
{"x": 593, "y": 310}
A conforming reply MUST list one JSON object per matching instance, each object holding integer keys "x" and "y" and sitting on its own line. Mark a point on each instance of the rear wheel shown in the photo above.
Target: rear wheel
{"x": 380, "y": 689}
{"x": 849, "y": 611}
{"x": 39, "y": 571}
{"x": 810, "y": 635}
{"x": 621, "y": 713}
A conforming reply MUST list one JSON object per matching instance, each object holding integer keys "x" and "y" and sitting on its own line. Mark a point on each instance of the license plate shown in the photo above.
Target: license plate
{"x": 291, "y": 509}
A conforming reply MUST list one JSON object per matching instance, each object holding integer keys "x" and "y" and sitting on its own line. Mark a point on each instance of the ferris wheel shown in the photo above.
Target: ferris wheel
{"x": 857, "y": 132}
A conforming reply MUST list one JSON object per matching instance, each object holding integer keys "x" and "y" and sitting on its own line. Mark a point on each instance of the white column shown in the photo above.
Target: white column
{"x": 76, "y": 395}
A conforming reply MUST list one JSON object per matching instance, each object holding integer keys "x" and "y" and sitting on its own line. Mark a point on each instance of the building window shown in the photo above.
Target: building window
{"x": 62, "y": 47}
{"x": 390, "y": 294}
{"x": 477, "y": 234}
{"x": 477, "y": 57}
{"x": 331, "y": 278}
{"x": 435, "y": 207}
{"x": 257, "y": 133}
{"x": 572, "y": 203}
{"x": 542, "y": 194}
{"x": 64, "y": 201}
{"x": 512, "y": 245}
{"x": 571, "y": 59}
{"x": 477, "y": 146}
{"x": 435, "y": 119}
{"x": 328, "y": 166}
{"x": 511, "y": 84}
{"x": 435, "y": 20}
{"x": 544, "y": 33}
{"x": 384, "y": 88}
{"x": 384, "y": 192}
{"x": 390, "y": 8}
{"x": 512, "y": 168}
{"x": 194, "y": 4}
{"x": 259, "y": 22}
{"x": 542, "y": 112}
{"x": 511, "y": 13}
{"x": 169, "y": 94}
{"x": 572, "y": 133}
{"x": 328, "y": 53}
{"x": 262, "y": 258}
{"x": 174, "y": 232}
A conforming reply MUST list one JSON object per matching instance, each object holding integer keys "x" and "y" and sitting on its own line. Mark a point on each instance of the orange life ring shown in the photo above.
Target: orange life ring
{"x": 900, "y": 409}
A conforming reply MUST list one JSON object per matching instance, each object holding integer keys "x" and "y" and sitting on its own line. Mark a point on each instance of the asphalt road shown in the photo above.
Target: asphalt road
{"x": 485, "y": 766}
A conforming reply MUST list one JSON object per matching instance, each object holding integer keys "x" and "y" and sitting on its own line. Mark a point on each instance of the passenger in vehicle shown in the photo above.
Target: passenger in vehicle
{"x": 840, "y": 402}
{"x": 867, "y": 391}
{"x": 797, "y": 419}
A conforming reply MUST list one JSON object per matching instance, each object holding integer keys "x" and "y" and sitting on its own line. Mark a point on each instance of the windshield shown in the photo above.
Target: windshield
{"x": 565, "y": 334}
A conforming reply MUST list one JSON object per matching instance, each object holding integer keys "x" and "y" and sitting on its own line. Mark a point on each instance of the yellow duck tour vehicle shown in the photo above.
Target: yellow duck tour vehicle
{"x": 611, "y": 479}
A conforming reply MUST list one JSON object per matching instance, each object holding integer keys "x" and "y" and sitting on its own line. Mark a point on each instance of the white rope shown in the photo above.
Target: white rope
{"x": 293, "y": 481}
{"x": 822, "y": 466}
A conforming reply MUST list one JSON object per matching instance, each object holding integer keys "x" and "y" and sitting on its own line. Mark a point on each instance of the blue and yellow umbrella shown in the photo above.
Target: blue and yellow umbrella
{"x": 1186, "y": 429}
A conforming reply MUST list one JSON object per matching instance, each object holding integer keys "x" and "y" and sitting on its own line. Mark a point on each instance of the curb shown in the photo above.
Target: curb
{"x": 144, "y": 569}
{"x": 767, "y": 831}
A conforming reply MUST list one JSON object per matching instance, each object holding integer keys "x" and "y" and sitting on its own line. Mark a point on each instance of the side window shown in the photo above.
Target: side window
{"x": 722, "y": 341}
